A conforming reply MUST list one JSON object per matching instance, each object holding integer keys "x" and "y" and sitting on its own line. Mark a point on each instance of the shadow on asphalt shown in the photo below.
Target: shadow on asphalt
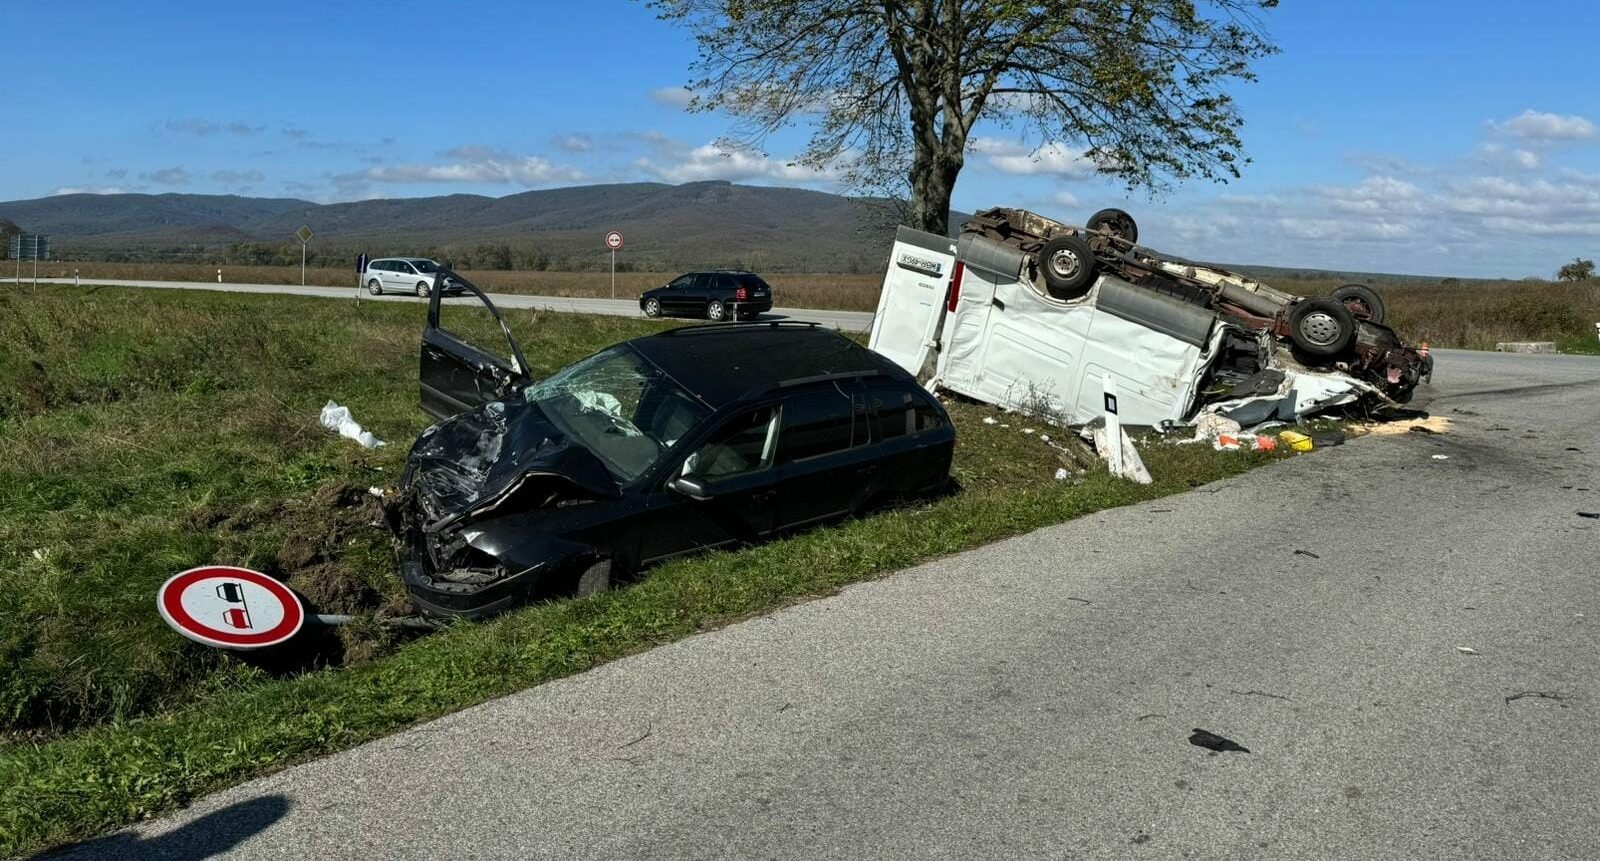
{"x": 206, "y": 837}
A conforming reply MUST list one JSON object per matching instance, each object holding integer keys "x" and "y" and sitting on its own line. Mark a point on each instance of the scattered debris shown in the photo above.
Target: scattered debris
{"x": 1297, "y": 441}
{"x": 1422, "y": 429}
{"x": 1536, "y": 695}
{"x": 649, "y": 728}
{"x": 1062, "y": 475}
{"x": 1324, "y": 439}
{"x": 1592, "y": 515}
{"x": 337, "y": 418}
{"x": 1307, "y": 553}
{"x": 1147, "y": 717}
{"x": 1256, "y": 693}
{"x": 990, "y": 420}
{"x": 1215, "y": 743}
{"x": 1441, "y": 457}
{"x": 1435, "y": 424}
{"x": 375, "y": 491}
{"x": 1466, "y": 650}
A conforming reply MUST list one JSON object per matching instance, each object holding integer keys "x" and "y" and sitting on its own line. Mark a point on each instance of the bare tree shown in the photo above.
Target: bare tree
{"x": 894, "y": 88}
{"x": 1578, "y": 270}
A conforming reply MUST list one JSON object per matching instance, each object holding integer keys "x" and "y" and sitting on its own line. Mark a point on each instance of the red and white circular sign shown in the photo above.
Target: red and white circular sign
{"x": 234, "y": 608}
{"x": 613, "y": 240}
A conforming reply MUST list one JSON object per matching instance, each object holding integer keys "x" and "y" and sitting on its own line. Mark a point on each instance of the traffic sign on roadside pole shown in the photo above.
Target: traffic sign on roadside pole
{"x": 614, "y": 242}
{"x": 231, "y": 608}
{"x": 304, "y": 233}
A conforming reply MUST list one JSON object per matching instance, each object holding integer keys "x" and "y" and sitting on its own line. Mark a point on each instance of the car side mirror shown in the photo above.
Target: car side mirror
{"x": 690, "y": 486}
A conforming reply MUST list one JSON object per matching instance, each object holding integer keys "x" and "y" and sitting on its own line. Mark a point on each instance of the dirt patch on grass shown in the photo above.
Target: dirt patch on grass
{"x": 334, "y": 588}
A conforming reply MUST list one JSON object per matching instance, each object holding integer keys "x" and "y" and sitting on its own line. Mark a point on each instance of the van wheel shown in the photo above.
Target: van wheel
{"x": 716, "y": 311}
{"x": 374, "y": 287}
{"x": 1321, "y": 327}
{"x": 1363, "y": 301}
{"x": 1068, "y": 266}
{"x": 1116, "y": 222}
{"x": 652, "y": 307}
{"x": 422, "y": 289}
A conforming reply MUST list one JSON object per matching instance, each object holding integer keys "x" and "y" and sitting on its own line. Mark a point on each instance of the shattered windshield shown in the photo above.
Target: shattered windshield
{"x": 620, "y": 407}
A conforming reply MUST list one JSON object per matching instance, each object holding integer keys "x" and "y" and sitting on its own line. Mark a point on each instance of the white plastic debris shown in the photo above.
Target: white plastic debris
{"x": 1441, "y": 457}
{"x": 1131, "y": 466}
{"x": 990, "y": 420}
{"x": 1027, "y": 430}
{"x": 1210, "y": 426}
{"x": 1062, "y": 475}
{"x": 337, "y": 418}
{"x": 1466, "y": 650}
{"x": 1044, "y": 437}
{"x": 40, "y": 555}
{"x": 375, "y": 491}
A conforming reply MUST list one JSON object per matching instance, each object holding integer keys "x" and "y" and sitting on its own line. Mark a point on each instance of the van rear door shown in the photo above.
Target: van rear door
{"x": 911, "y": 305}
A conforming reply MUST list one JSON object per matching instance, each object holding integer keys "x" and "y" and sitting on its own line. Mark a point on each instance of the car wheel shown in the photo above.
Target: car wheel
{"x": 1068, "y": 266}
{"x": 596, "y": 578}
{"x": 1116, "y": 222}
{"x": 716, "y": 311}
{"x": 1321, "y": 327}
{"x": 422, "y": 289}
{"x": 375, "y": 287}
{"x": 652, "y": 307}
{"x": 1363, "y": 302}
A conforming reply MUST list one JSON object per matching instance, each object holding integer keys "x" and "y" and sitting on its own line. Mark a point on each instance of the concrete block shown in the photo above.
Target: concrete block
{"x": 1525, "y": 347}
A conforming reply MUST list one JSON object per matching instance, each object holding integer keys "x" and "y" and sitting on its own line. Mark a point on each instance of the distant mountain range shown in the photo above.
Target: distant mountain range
{"x": 701, "y": 224}
{"x": 665, "y": 227}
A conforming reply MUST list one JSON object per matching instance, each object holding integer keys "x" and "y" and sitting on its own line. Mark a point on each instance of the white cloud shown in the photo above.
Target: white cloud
{"x": 237, "y": 177}
{"x": 1538, "y": 126}
{"x": 672, "y": 97}
{"x": 1064, "y": 198}
{"x": 1052, "y": 158}
{"x": 576, "y": 142}
{"x": 473, "y": 164}
{"x": 206, "y": 128}
{"x": 167, "y": 176}
{"x": 714, "y": 162}
{"x": 90, "y": 189}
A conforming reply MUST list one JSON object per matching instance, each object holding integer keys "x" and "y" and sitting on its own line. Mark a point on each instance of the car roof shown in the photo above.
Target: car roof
{"x": 727, "y": 362}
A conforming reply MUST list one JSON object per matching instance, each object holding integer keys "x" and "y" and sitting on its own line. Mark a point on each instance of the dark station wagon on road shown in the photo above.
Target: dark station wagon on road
{"x": 721, "y": 295}
{"x": 676, "y": 442}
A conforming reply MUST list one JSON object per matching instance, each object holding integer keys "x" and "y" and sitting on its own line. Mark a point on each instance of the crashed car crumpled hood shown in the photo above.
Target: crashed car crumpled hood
{"x": 473, "y": 460}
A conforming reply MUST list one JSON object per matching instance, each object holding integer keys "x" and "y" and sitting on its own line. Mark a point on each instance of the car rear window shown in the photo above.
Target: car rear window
{"x": 899, "y": 411}
{"x": 751, "y": 281}
{"x": 820, "y": 423}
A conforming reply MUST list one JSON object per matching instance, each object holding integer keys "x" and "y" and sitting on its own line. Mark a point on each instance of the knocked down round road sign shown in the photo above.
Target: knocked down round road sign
{"x": 233, "y": 608}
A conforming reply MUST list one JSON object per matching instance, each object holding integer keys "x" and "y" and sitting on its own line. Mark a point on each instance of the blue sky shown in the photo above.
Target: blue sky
{"x": 1425, "y": 136}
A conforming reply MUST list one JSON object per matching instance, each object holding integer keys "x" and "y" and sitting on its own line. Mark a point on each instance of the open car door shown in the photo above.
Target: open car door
{"x": 456, "y": 375}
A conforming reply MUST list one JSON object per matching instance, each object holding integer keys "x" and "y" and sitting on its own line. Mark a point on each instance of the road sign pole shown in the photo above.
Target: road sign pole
{"x": 302, "y": 263}
{"x": 613, "y": 273}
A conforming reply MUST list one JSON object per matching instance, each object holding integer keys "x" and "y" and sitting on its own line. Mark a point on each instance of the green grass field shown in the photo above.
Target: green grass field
{"x": 147, "y": 431}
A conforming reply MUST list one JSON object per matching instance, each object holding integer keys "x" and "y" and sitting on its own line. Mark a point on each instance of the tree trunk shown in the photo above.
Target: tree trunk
{"x": 933, "y": 179}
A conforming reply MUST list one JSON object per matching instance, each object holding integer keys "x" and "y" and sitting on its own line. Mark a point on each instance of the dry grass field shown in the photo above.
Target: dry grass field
{"x": 1471, "y": 314}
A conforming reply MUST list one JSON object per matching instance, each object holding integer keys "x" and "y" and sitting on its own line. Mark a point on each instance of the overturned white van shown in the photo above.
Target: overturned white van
{"x": 974, "y": 316}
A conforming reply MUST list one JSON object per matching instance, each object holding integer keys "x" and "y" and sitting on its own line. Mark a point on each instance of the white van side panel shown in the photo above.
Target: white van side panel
{"x": 912, "y": 301}
{"x": 1007, "y": 345}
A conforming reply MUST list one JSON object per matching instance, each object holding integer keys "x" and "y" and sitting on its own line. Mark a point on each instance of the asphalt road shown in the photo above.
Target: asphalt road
{"x": 850, "y": 321}
{"x": 1035, "y": 698}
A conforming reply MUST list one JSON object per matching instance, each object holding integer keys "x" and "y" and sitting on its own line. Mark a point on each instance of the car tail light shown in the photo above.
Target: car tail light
{"x": 955, "y": 287}
{"x": 741, "y": 294}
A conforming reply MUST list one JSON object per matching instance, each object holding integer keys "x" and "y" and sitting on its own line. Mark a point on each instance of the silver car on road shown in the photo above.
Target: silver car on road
{"x": 413, "y": 275}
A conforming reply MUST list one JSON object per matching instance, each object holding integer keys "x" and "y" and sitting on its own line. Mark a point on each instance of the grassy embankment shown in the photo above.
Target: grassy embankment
{"x": 148, "y": 431}
{"x": 1472, "y": 315}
